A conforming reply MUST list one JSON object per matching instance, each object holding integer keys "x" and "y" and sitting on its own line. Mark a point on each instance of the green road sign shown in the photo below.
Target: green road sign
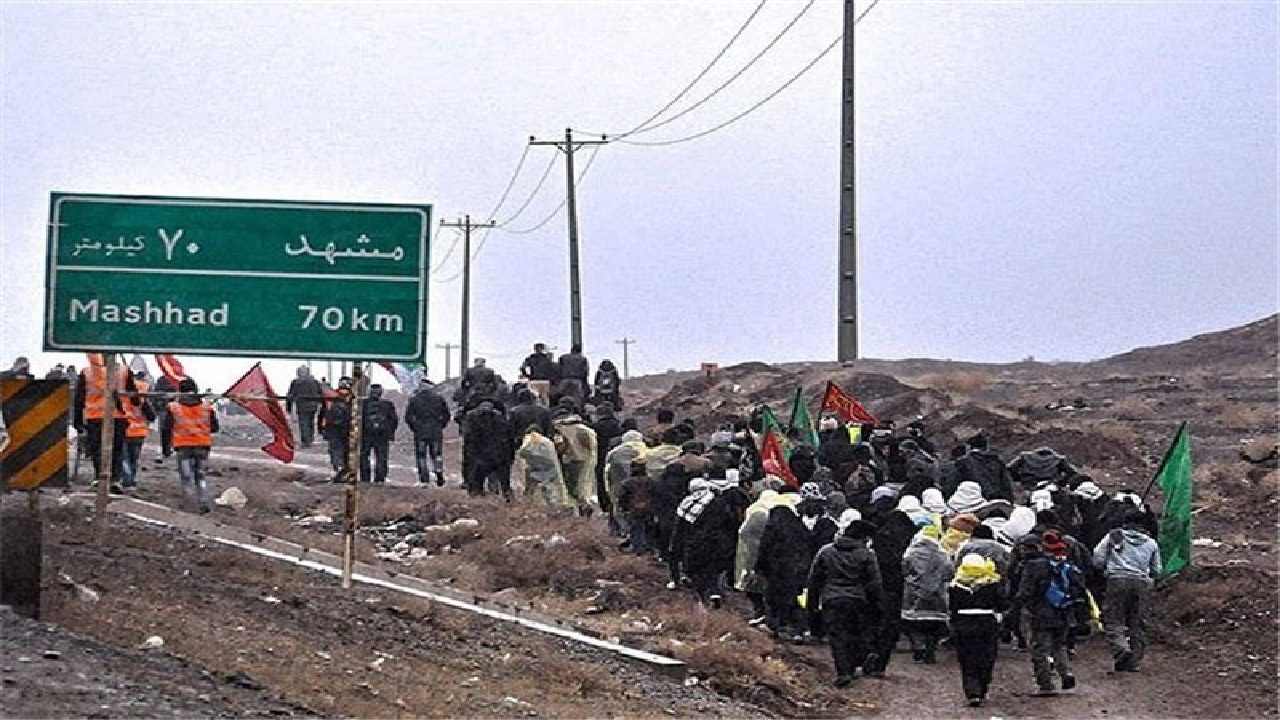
{"x": 263, "y": 278}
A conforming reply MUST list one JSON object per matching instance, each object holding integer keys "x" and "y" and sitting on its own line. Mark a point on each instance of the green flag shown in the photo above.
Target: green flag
{"x": 770, "y": 424}
{"x": 801, "y": 422}
{"x": 1174, "y": 478}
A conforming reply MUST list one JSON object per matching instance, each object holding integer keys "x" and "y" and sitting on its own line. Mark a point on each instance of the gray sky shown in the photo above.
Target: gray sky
{"x": 1059, "y": 179}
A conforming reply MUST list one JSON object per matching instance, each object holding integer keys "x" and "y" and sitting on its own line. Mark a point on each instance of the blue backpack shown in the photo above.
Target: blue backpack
{"x": 1064, "y": 581}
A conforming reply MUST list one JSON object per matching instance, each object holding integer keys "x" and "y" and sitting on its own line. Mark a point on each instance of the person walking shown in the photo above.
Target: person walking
{"x": 89, "y": 408}
{"x": 890, "y": 543}
{"x": 336, "y": 428}
{"x": 1130, "y": 561}
{"x": 608, "y": 385}
{"x": 487, "y": 449}
{"x": 304, "y": 398}
{"x": 160, "y": 406}
{"x": 976, "y": 597}
{"x": 192, "y": 423}
{"x": 542, "y": 475}
{"x": 135, "y": 432}
{"x": 577, "y": 445}
{"x": 427, "y": 415}
{"x": 574, "y": 370}
{"x": 1051, "y": 585}
{"x": 379, "y": 421}
{"x": 925, "y": 574}
{"x": 844, "y": 583}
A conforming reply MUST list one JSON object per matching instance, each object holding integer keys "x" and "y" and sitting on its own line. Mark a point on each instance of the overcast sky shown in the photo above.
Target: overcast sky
{"x": 1060, "y": 179}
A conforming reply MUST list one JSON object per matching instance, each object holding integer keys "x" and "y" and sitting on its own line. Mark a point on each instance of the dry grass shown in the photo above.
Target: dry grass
{"x": 1133, "y": 407}
{"x": 958, "y": 381}
{"x": 1116, "y": 432}
{"x": 1243, "y": 416}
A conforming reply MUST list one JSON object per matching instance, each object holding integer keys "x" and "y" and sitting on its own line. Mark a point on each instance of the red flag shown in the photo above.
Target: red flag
{"x": 771, "y": 450}
{"x": 171, "y": 368}
{"x": 96, "y": 359}
{"x": 839, "y": 402}
{"x": 264, "y": 405}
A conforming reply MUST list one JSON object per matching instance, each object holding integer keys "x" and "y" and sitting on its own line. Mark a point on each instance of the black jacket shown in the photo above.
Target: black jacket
{"x": 707, "y": 545}
{"x": 304, "y": 394}
{"x": 988, "y": 470}
{"x": 487, "y": 437}
{"x": 1036, "y": 576}
{"x": 784, "y": 557}
{"x": 530, "y": 413}
{"x": 890, "y": 543}
{"x": 427, "y": 414}
{"x": 575, "y": 366}
{"x": 988, "y": 596}
{"x": 608, "y": 388}
{"x": 540, "y": 366}
{"x": 836, "y": 452}
{"x": 379, "y": 421}
{"x": 845, "y": 569}
{"x": 336, "y": 423}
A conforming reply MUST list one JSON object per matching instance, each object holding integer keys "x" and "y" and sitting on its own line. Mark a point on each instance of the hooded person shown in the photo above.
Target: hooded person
{"x": 607, "y": 387}
{"x": 619, "y": 459}
{"x": 632, "y": 506}
{"x": 967, "y": 498}
{"x": 1042, "y": 465}
{"x": 192, "y": 422}
{"x": 1016, "y": 535}
{"x": 608, "y": 429}
{"x": 883, "y": 500}
{"x": 910, "y": 505}
{"x": 487, "y": 450}
{"x": 1130, "y": 561}
{"x": 982, "y": 542}
{"x": 542, "y": 474}
{"x": 976, "y": 597}
{"x": 931, "y": 500}
{"x": 746, "y": 579}
{"x": 822, "y": 530}
{"x": 705, "y": 538}
{"x": 835, "y": 450}
{"x": 959, "y": 529}
{"x": 892, "y": 537}
{"x": 1049, "y": 587}
{"x": 864, "y": 477}
{"x": 984, "y": 466}
{"x": 926, "y": 571}
{"x": 783, "y": 560}
{"x": 844, "y": 584}
{"x": 921, "y": 470}
{"x": 577, "y": 444}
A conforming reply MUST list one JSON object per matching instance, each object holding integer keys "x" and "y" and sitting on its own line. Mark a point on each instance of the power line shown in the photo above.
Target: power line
{"x": 759, "y": 104}
{"x": 680, "y": 95}
{"x": 733, "y": 78}
{"x": 515, "y": 174}
{"x": 542, "y": 223}
{"x": 534, "y": 193}
{"x": 456, "y": 239}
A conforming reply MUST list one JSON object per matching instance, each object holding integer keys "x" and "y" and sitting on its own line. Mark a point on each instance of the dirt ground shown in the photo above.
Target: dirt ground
{"x": 255, "y": 636}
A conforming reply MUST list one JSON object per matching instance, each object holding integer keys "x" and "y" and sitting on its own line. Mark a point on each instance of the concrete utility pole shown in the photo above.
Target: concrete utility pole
{"x": 847, "y": 283}
{"x": 467, "y": 226}
{"x": 626, "y": 344}
{"x": 568, "y": 146}
{"x": 448, "y": 355}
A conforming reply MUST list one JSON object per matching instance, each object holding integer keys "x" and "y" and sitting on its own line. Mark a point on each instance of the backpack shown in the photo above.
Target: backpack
{"x": 1062, "y": 591}
{"x": 377, "y": 424}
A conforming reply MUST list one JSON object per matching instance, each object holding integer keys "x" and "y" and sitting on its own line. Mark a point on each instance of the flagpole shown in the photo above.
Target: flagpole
{"x": 358, "y": 385}
{"x": 1167, "y": 454}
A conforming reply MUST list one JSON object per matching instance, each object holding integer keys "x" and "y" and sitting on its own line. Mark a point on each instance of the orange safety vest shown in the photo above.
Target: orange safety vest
{"x": 192, "y": 425}
{"x": 95, "y": 392}
{"x": 137, "y": 429}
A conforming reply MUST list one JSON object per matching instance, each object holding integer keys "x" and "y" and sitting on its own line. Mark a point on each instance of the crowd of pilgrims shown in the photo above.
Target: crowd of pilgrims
{"x": 869, "y": 538}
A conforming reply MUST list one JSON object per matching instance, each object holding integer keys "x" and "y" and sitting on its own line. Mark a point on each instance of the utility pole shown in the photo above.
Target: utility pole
{"x": 568, "y": 146}
{"x": 847, "y": 283}
{"x": 626, "y": 343}
{"x": 466, "y": 225}
{"x": 448, "y": 355}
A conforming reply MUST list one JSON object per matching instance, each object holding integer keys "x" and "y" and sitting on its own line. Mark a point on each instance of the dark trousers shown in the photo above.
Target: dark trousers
{"x": 132, "y": 456}
{"x": 166, "y": 433}
{"x": 845, "y": 621}
{"x": 495, "y": 477}
{"x": 379, "y": 448}
{"x": 306, "y": 424}
{"x": 977, "y": 639}
{"x": 428, "y": 451}
{"x": 1124, "y": 615}
{"x": 924, "y": 636}
{"x": 93, "y": 440}
{"x": 1050, "y": 644}
{"x": 338, "y": 445}
{"x": 782, "y": 610}
{"x": 886, "y": 635}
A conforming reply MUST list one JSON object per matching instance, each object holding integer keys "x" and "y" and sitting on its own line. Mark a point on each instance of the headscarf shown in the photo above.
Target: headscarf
{"x": 908, "y": 504}
{"x": 811, "y": 491}
{"x": 968, "y": 496}
{"x": 847, "y": 517}
{"x": 1041, "y": 499}
{"x": 931, "y": 500}
{"x": 884, "y": 492}
{"x": 701, "y": 493}
{"x": 1020, "y": 522}
{"x": 964, "y": 522}
{"x": 975, "y": 570}
{"x": 929, "y": 532}
{"x": 632, "y": 436}
{"x": 1088, "y": 490}
{"x": 1053, "y": 544}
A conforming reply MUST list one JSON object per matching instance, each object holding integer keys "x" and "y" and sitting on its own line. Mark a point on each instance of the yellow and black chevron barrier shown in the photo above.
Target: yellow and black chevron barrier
{"x": 36, "y": 413}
